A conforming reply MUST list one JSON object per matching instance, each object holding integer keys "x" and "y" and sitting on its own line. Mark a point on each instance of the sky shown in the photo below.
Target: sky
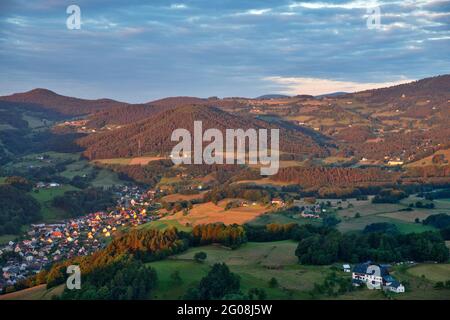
{"x": 138, "y": 51}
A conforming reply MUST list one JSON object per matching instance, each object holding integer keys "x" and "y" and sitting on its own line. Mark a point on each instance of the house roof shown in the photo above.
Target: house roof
{"x": 391, "y": 281}
{"x": 362, "y": 268}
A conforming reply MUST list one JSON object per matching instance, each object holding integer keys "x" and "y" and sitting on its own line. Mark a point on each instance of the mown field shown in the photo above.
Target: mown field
{"x": 387, "y": 212}
{"x": 130, "y": 161}
{"x": 209, "y": 213}
{"x": 36, "y": 293}
{"x": 354, "y": 214}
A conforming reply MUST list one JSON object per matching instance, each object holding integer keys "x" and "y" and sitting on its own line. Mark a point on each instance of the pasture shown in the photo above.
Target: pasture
{"x": 433, "y": 272}
{"x": 282, "y": 218}
{"x": 164, "y": 224}
{"x": 386, "y": 212}
{"x": 4, "y": 239}
{"x": 130, "y": 161}
{"x": 34, "y": 160}
{"x": 256, "y": 264}
{"x": 106, "y": 178}
{"x": 209, "y": 213}
{"x": 427, "y": 161}
{"x": 39, "y": 292}
{"x": 45, "y": 198}
{"x": 78, "y": 168}
{"x": 358, "y": 224}
{"x": 183, "y": 197}
{"x": 264, "y": 182}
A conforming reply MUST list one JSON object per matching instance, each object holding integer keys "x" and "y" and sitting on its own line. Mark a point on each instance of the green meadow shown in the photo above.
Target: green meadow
{"x": 45, "y": 198}
{"x": 257, "y": 262}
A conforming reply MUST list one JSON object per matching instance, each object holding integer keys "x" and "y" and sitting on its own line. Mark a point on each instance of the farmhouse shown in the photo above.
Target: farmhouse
{"x": 375, "y": 276}
{"x": 309, "y": 215}
{"x": 277, "y": 201}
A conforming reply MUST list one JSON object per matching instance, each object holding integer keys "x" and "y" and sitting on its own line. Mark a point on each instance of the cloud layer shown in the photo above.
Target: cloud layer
{"x": 313, "y": 86}
{"x": 137, "y": 51}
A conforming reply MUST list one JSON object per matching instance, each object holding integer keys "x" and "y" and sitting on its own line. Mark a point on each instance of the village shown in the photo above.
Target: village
{"x": 45, "y": 244}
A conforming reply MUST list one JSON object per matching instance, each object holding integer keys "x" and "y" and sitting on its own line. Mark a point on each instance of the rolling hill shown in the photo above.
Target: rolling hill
{"x": 408, "y": 121}
{"x": 272, "y": 96}
{"x": 49, "y": 100}
{"x": 153, "y": 133}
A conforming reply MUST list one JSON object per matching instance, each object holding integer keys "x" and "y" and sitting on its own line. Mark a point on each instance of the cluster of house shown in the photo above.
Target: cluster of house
{"x": 49, "y": 243}
{"x": 47, "y": 185}
{"x": 374, "y": 276}
{"x": 312, "y": 212}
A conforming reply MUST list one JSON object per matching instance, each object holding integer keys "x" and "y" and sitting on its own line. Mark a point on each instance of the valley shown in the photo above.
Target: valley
{"x": 363, "y": 176}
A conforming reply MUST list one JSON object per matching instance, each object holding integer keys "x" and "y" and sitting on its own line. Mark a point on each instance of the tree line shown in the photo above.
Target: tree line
{"x": 17, "y": 208}
{"x": 76, "y": 203}
{"x": 317, "y": 245}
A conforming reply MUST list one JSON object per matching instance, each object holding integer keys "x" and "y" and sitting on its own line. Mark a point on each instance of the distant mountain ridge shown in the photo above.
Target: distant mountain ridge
{"x": 332, "y": 94}
{"x": 433, "y": 89}
{"x": 273, "y": 96}
{"x": 405, "y": 118}
{"x": 46, "y": 99}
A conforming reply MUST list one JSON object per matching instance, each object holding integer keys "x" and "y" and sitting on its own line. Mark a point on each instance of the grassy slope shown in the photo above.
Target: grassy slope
{"x": 6, "y": 238}
{"x": 31, "y": 160}
{"x": 78, "y": 168}
{"x": 36, "y": 293}
{"x": 163, "y": 224}
{"x": 434, "y": 272}
{"x": 45, "y": 198}
{"x": 281, "y": 218}
{"x": 427, "y": 161}
{"x": 106, "y": 178}
{"x": 210, "y": 213}
{"x": 385, "y": 212}
{"x": 256, "y": 263}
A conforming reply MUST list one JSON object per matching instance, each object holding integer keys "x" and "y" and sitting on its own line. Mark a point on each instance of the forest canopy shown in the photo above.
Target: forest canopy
{"x": 17, "y": 208}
